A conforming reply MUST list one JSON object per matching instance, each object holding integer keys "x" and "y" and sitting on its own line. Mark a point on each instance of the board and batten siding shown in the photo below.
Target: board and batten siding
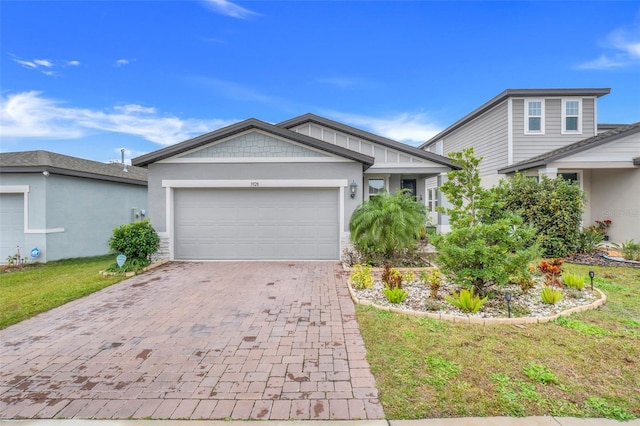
{"x": 528, "y": 146}
{"x": 487, "y": 134}
{"x": 382, "y": 154}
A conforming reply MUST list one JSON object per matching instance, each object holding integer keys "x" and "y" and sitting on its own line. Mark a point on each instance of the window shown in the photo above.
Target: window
{"x": 571, "y": 177}
{"x": 432, "y": 199}
{"x": 534, "y": 117}
{"x": 571, "y": 116}
{"x": 439, "y": 147}
{"x": 376, "y": 186}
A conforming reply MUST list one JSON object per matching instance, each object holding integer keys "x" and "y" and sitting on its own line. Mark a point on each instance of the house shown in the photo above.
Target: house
{"x": 255, "y": 190}
{"x": 553, "y": 132}
{"x": 54, "y": 206}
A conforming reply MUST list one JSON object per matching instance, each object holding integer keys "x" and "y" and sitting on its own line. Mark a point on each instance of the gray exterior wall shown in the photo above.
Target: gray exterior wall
{"x": 351, "y": 171}
{"x": 528, "y": 146}
{"x": 614, "y": 194}
{"x": 488, "y": 134}
{"x": 87, "y": 209}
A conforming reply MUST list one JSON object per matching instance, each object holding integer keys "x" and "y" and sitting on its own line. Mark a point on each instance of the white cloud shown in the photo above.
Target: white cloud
{"x": 45, "y": 66}
{"x": 342, "y": 82}
{"x": 410, "y": 128}
{"x": 29, "y": 114}
{"x": 43, "y": 62}
{"x": 121, "y": 62}
{"x": 621, "y": 49}
{"x": 26, "y": 64}
{"x": 73, "y": 63}
{"x": 225, "y": 7}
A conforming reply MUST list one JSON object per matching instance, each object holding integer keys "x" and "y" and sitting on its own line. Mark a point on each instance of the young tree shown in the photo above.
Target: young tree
{"x": 387, "y": 223}
{"x": 487, "y": 245}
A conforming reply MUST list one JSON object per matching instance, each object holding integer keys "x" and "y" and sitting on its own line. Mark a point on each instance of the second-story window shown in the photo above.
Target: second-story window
{"x": 571, "y": 122}
{"x": 534, "y": 117}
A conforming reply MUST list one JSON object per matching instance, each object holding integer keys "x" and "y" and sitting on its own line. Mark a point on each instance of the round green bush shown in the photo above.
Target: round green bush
{"x": 136, "y": 240}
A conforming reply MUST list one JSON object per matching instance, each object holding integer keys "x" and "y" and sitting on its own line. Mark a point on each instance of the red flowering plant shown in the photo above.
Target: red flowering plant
{"x": 552, "y": 270}
{"x": 603, "y": 225}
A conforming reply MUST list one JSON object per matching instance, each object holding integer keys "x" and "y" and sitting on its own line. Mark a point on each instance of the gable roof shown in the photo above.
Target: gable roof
{"x": 41, "y": 161}
{"x": 574, "y": 148}
{"x": 389, "y": 143}
{"x": 249, "y": 124}
{"x": 513, "y": 93}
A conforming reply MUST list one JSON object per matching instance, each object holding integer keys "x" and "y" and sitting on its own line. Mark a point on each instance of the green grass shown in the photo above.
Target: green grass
{"x": 581, "y": 366}
{"x": 40, "y": 287}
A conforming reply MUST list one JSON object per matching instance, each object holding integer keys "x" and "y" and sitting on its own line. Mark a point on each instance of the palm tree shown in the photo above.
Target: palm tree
{"x": 387, "y": 223}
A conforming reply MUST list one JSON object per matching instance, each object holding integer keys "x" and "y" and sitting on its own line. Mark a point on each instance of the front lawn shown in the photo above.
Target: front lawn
{"x": 40, "y": 287}
{"x": 585, "y": 365}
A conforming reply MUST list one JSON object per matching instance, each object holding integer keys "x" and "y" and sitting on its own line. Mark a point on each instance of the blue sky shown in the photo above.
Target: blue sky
{"x": 87, "y": 78}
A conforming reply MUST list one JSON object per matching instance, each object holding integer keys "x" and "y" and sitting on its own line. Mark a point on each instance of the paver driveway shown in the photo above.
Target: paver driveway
{"x": 260, "y": 340}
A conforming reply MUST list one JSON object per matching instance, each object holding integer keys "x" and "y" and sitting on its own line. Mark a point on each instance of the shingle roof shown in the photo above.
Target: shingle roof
{"x": 574, "y": 148}
{"x": 243, "y": 126}
{"x": 41, "y": 161}
{"x": 390, "y": 143}
{"x": 513, "y": 93}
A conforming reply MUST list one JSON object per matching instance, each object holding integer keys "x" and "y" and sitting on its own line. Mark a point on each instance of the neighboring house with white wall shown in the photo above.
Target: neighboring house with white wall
{"x": 554, "y": 132}
{"x": 255, "y": 190}
{"x": 65, "y": 206}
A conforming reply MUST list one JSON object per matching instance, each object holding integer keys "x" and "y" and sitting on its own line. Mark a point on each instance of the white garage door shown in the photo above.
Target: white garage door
{"x": 11, "y": 225}
{"x": 260, "y": 223}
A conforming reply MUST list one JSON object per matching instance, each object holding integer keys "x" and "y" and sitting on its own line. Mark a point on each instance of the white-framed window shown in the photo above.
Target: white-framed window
{"x": 432, "y": 199}
{"x": 534, "y": 117}
{"x": 572, "y": 116}
{"x": 376, "y": 185}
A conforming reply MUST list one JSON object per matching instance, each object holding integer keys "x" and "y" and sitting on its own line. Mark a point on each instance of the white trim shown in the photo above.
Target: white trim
{"x": 211, "y": 160}
{"x": 255, "y": 183}
{"x": 595, "y": 115}
{"x": 24, "y": 190}
{"x": 510, "y": 131}
{"x": 171, "y": 184}
{"x": 564, "y": 130}
{"x": 526, "y": 116}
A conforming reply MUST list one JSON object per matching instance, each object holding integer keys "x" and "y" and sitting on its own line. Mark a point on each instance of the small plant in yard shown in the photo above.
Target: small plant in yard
{"x": 409, "y": 277}
{"x": 573, "y": 281}
{"x": 391, "y": 277}
{"x": 434, "y": 279}
{"x": 551, "y": 296}
{"x": 466, "y": 300}
{"x": 361, "y": 277}
{"x": 525, "y": 282}
{"x": 552, "y": 270}
{"x": 539, "y": 373}
{"x": 394, "y": 295}
{"x": 440, "y": 371}
{"x": 589, "y": 241}
{"x": 602, "y": 408}
{"x": 630, "y": 250}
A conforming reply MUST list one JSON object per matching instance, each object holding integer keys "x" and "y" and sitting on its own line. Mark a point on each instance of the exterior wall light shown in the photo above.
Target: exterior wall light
{"x": 46, "y": 173}
{"x": 353, "y": 186}
{"x": 507, "y": 297}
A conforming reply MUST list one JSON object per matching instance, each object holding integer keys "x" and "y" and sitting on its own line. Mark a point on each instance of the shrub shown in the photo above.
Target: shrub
{"x": 573, "y": 281}
{"x": 525, "y": 282}
{"x": 551, "y": 296}
{"x": 487, "y": 244}
{"x": 589, "y": 241}
{"x": 361, "y": 276}
{"x": 387, "y": 223}
{"x": 466, "y": 300}
{"x": 630, "y": 250}
{"x": 136, "y": 240}
{"x": 409, "y": 277}
{"x": 395, "y": 295}
{"x": 553, "y": 206}
{"x": 434, "y": 279}
{"x": 552, "y": 270}
{"x": 391, "y": 277}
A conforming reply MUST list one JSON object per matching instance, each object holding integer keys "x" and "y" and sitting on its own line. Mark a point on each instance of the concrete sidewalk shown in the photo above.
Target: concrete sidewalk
{"x": 460, "y": 421}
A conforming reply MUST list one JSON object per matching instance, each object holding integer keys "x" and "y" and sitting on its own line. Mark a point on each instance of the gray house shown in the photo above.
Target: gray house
{"x": 64, "y": 206}
{"x": 254, "y": 190}
{"x": 554, "y": 132}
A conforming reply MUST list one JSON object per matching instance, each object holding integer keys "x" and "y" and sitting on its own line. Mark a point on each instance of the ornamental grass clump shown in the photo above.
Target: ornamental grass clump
{"x": 466, "y": 300}
{"x": 573, "y": 281}
{"x": 551, "y": 296}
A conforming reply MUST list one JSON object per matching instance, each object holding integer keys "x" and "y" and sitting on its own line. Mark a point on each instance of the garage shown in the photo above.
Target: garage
{"x": 256, "y": 223}
{"x": 11, "y": 225}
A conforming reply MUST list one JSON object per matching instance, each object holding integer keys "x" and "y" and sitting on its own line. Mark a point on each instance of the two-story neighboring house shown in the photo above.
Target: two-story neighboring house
{"x": 552, "y": 132}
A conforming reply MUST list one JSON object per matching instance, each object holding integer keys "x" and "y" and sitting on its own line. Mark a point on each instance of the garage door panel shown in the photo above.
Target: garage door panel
{"x": 256, "y": 224}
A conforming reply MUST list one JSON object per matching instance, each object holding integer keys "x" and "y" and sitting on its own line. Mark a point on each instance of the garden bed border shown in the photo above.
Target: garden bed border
{"x": 134, "y": 273}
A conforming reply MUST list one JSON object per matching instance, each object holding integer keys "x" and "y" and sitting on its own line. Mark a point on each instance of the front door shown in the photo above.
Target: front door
{"x": 409, "y": 184}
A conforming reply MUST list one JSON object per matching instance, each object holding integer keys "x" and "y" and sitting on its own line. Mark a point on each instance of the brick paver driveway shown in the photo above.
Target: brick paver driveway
{"x": 259, "y": 340}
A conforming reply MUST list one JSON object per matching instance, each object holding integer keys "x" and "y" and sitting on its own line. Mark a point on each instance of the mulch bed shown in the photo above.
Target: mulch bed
{"x": 598, "y": 259}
